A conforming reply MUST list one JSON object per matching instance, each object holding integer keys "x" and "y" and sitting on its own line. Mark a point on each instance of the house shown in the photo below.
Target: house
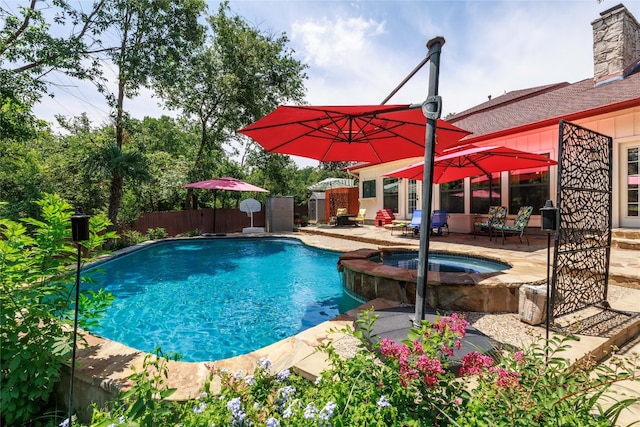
{"x": 528, "y": 120}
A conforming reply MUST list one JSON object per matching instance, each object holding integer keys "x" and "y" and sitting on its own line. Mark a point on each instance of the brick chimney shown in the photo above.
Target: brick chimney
{"x": 616, "y": 44}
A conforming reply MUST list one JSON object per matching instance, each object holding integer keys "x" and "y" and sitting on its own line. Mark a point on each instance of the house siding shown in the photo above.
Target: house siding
{"x": 623, "y": 126}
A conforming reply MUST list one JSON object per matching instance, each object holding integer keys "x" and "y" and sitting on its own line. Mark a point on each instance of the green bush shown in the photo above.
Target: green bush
{"x": 395, "y": 384}
{"x": 156, "y": 233}
{"x": 128, "y": 238}
{"x": 37, "y": 304}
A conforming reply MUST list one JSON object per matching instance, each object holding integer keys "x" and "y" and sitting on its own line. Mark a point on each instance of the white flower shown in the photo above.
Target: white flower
{"x": 327, "y": 411}
{"x": 310, "y": 411}
{"x": 383, "y": 403}
{"x": 282, "y": 375}
{"x": 272, "y": 422}
{"x": 264, "y": 363}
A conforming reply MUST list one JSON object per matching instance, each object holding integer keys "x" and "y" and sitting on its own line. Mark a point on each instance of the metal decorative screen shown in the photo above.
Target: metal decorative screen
{"x": 583, "y": 243}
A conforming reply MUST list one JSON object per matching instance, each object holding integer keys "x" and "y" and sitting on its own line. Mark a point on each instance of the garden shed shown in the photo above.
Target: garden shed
{"x": 316, "y": 207}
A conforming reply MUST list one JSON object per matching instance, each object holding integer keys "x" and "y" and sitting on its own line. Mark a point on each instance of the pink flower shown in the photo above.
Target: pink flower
{"x": 426, "y": 364}
{"x": 417, "y": 347}
{"x": 446, "y": 351}
{"x": 474, "y": 363}
{"x": 456, "y": 324}
{"x": 387, "y": 346}
{"x": 507, "y": 379}
{"x": 430, "y": 380}
{"x": 519, "y": 356}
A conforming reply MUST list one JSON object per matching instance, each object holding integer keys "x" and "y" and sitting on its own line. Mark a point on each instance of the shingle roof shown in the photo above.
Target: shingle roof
{"x": 552, "y": 102}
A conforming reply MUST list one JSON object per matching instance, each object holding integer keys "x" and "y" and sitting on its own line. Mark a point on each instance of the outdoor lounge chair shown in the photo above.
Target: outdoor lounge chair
{"x": 519, "y": 226}
{"x": 438, "y": 221}
{"x": 360, "y": 218}
{"x": 414, "y": 225}
{"x": 496, "y": 216}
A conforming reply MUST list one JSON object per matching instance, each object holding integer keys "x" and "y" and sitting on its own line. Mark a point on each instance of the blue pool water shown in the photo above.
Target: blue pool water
{"x": 446, "y": 263}
{"x": 218, "y": 298}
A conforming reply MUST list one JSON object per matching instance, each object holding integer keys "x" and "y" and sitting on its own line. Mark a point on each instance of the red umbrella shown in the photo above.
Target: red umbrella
{"x": 472, "y": 161}
{"x": 227, "y": 183}
{"x": 367, "y": 133}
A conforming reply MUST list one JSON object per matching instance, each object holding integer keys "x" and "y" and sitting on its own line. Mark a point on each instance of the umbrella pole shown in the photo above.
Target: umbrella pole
{"x": 490, "y": 189}
{"x": 431, "y": 109}
{"x": 214, "y": 211}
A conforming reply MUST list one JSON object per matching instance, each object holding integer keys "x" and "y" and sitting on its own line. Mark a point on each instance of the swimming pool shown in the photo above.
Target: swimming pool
{"x": 210, "y": 299}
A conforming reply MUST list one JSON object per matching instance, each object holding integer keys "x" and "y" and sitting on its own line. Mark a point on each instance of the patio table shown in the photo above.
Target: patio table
{"x": 346, "y": 220}
{"x": 401, "y": 226}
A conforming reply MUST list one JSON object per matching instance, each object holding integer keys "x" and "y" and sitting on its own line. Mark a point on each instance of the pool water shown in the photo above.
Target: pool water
{"x": 217, "y": 298}
{"x": 445, "y": 263}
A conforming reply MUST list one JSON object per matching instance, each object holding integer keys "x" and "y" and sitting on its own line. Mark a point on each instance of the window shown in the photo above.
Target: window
{"x": 452, "y": 196}
{"x": 528, "y": 187}
{"x": 369, "y": 189}
{"x": 482, "y": 187}
{"x": 412, "y": 195}
{"x": 390, "y": 191}
{"x": 633, "y": 165}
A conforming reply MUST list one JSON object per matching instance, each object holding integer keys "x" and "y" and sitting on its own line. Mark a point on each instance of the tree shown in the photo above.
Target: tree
{"x": 149, "y": 36}
{"x": 154, "y": 36}
{"x": 118, "y": 164}
{"x": 30, "y": 50}
{"x": 236, "y": 79}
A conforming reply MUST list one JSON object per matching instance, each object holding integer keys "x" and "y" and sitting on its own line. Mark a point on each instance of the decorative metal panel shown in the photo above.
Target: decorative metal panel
{"x": 583, "y": 239}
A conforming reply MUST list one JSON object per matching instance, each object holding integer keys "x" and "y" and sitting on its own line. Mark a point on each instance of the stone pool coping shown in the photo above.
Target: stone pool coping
{"x": 484, "y": 292}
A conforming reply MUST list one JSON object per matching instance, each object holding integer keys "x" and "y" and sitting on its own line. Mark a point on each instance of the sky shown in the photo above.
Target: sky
{"x": 358, "y": 52}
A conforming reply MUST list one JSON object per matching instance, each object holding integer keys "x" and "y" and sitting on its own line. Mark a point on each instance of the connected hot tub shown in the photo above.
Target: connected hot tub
{"x": 459, "y": 282}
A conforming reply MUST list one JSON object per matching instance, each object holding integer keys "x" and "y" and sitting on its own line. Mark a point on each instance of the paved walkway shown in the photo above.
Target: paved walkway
{"x": 109, "y": 364}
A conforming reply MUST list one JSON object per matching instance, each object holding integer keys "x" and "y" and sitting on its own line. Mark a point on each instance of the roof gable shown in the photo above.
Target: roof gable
{"x": 539, "y": 105}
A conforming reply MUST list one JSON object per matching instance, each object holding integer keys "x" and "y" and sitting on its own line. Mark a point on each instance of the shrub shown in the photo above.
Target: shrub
{"x": 156, "y": 233}
{"x": 404, "y": 384}
{"x": 129, "y": 238}
{"x": 37, "y": 305}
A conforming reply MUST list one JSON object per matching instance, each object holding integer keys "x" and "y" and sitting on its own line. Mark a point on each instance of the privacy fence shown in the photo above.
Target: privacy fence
{"x": 227, "y": 220}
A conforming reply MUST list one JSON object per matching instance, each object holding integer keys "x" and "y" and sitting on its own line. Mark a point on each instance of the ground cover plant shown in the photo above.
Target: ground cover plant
{"x": 37, "y": 305}
{"x": 392, "y": 384}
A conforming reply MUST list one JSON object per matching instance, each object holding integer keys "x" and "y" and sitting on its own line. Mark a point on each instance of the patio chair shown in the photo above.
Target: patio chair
{"x": 360, "y": 218}
{"x": 438, "y": 221}
{"x": 519, "y": 226}
{"x": 496, "y": 216}
{"x": 333, "y": 220}
{"x": 414, "y": 225}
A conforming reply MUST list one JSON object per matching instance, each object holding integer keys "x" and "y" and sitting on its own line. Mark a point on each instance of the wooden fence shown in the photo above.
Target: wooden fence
{"x": 227, "y": 220}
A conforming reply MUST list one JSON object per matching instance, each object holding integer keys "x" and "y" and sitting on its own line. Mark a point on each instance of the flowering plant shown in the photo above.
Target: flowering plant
{"x": 412, "y": 383}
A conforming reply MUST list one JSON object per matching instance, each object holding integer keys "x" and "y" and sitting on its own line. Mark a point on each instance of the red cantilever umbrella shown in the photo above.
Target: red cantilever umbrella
{"x": 366, "y": 133}
{"x": 227, "y": 183}
{"x": 472, "y": 161}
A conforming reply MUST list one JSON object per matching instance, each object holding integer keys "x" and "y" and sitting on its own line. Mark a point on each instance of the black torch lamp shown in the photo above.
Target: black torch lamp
{"x": 79, "y": 233}
{"x": 549, "y": 216}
